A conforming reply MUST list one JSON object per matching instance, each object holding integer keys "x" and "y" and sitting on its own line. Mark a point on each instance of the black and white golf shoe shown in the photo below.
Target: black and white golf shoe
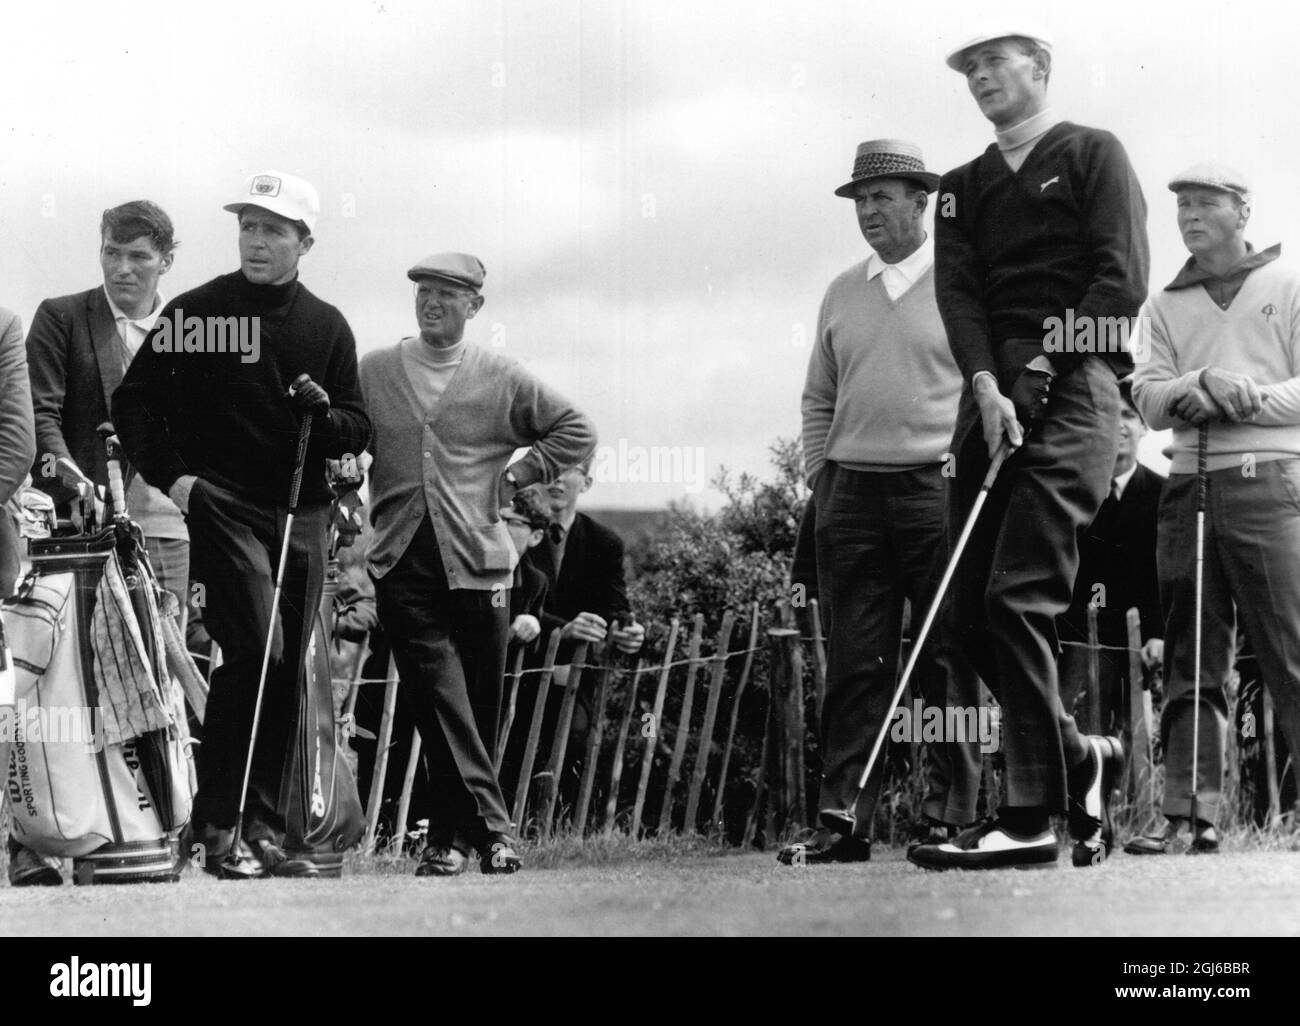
{"x": 988, "y": 845}
{"x": 1089, "y": 810}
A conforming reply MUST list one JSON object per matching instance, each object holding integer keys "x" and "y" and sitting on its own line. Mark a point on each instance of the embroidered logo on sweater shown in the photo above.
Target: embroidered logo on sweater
{"x": 1268, "y": 311}
{"x": 1051, "y": 181}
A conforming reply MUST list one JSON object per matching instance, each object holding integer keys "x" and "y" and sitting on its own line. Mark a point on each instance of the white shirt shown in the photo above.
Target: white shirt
{"x": 1118, "y": 485}
{"x": 898, "y": 278}
{"x": 1017, "y": 141}
{"x": 133, "y": 332}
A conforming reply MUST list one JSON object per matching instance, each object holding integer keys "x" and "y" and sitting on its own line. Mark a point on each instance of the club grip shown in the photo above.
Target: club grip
{"x": 999, "y": 457}
{"x": 300, "y": 458}
{"x": 1202, "y": 465}
{"x": 113, "y": 458}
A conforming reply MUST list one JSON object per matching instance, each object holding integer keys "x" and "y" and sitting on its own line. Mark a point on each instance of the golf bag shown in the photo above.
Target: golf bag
{"x": 318, "y": 792}
{"x": 97, "y": 769}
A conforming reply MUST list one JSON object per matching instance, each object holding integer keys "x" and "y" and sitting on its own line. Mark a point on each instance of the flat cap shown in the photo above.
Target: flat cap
{"x": 1210, "y": 175}
{"x": 1038, "y": 35}
{"x": 458, "y": 268}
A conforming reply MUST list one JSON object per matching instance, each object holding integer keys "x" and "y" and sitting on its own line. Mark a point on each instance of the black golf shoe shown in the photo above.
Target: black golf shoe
{"x": 1089, "y": 808}
{"x": 442, "y": 861}
{"x": 823, "y": 848}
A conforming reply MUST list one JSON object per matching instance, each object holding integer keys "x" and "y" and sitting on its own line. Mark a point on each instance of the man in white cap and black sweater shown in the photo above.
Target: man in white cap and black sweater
{"x": 214, "y": 426}
{"x": 448, "y": 417}
{"x": 1047, "y": 226}
{"x": 1225, "y": 352}
{"x": 879, "y": 405}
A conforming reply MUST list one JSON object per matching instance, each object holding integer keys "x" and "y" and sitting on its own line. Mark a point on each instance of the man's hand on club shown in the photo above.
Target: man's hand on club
{"x": 628, "y": 638}
{"x": 525, "y": 628}
{"x": 1196, "y": 407}
{"x": 309, "y": 397}
{"x": 997, "y": 413}
{"x": 1029, "y": 395}
{"x": 179, "y": 492}
{"x": 1237, "y": 395}
{"x": 585, "y": 627}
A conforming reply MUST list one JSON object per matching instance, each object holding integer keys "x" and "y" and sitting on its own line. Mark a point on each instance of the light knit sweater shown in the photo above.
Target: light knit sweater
{"x": 882, "y": 386}
{"x": 1258, "y": 335}
{"x": 448, "y": 465}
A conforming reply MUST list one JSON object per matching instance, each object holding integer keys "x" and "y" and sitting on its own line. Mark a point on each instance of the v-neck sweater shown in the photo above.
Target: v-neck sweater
{"x": 1257, "y": 335}
{"x": 447, "y": 465}
{"x": 881, "y": 390}
{"x": 1066, "y": 232}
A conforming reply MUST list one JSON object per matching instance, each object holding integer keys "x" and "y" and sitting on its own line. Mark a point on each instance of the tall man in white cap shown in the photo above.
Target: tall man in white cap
{"x": 879, "y": 405}
{"x": 212, "y": 423}
{"x": 1225, "y": 351}
{"x": 448, "y": 416}
{"x": 1046, "y": 227}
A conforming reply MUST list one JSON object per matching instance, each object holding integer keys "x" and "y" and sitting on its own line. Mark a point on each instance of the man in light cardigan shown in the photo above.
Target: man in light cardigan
{"x": 879, "y": 407}
{"x": 447, "y": 418}
{"x": 1225, "y": 351}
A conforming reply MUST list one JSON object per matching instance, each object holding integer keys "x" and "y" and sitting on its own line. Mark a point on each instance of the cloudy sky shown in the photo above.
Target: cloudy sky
{"x": 648, "y": 182}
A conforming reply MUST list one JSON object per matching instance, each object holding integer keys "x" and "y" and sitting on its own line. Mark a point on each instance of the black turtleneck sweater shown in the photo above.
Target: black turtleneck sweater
{"x": 229, "y": 421}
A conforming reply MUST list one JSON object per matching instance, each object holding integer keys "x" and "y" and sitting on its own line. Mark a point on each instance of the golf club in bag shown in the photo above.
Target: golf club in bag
{"x": 844, "y": 820}
{"x": 97, "y": 767}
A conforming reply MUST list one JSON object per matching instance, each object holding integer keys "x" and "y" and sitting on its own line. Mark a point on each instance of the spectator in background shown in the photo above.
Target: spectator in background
{"x": 1225, "y": 352}
{"x": 17, "y": 440}
{"x": 879, "y": 403}
{"x": 79, "y": 348}
{"x": 1117, "y": 572}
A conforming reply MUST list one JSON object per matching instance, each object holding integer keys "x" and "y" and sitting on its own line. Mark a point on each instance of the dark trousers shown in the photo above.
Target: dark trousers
{"x": 1017, "y": 574}
{"x": 234, "y": 554}
{"x": 1251, "y": 571}
{"x": 450, "y": 650}
{"x": 880, "y": 540}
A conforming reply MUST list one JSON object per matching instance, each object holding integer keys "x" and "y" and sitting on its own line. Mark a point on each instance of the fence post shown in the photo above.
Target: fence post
{"x": 607, "y": 655}
{"x": 683, "y": 734}
{"x": 382, "y": 744}
{"x": 705, "y": 746}
{"x": 1270, "y": 760}
{"x": 1092, "y": 680}
{"x": 535, "y": 731}
{"x": 616, "y": 770}
{"x": 408, "y": 783}
{"x": 1140, "y": 725}
{"x": 652, "y": 737}
{"x": 560, "y": 743}
{"x": 516, "y": 674}
{"x": 716, "y": 818}
{"x": 787, "y": 732}
{"x": 819, "y": 657}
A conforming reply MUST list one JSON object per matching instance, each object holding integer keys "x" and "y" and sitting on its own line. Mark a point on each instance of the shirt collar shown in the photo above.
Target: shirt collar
{"x": 1191, "y": 274}
{"x": 1122, "y": 481}
{"x": 910, "y": 267}
{"x": 1028, "y": 130}
{"x": 147, "y": 321}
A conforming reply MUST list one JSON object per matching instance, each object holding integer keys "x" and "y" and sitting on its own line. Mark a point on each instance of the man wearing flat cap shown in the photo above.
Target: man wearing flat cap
{"x": 1225, "y": 352}
{"x": 1046, "y": 228}
{"x": 205, "y": 414}
{"x": 879, "y": 404}
{"x": 448, "y": 416}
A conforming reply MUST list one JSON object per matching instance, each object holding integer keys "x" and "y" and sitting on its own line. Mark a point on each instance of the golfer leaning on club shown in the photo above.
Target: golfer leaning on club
{"x": 448, "y": 416}
{"x": 1225, "y": 360}
{"x": 216, "y": 429}
{"x": 1048, "y": 223}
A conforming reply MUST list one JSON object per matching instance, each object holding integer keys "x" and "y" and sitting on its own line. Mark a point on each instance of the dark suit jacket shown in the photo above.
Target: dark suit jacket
{"x": 1119, "y": 551}
{"x": 590, "y": 578}
{"x": 17, "y": 437}
{"x": 73, "y": 353}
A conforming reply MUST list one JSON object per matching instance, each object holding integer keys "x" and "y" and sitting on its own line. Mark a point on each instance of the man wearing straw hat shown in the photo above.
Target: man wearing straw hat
{"x": 1040, "y": 244}
{"x": 879, "y": 404}
{"x": 1225, "y": 353}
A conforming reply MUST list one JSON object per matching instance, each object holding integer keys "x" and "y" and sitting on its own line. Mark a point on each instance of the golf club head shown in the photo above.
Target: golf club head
{"x": 237, "y": 866}
{"x": 839, "y": 821}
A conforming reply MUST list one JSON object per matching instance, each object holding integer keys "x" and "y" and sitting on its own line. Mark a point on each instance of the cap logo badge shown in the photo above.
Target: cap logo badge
{"x": 266, "y": 185}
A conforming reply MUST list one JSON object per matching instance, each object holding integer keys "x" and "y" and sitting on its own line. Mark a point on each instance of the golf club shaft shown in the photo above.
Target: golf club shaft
{"x": 1202, "y": 482}
{"x": 1004, "y": 450}
{"x": 300, "y": 457}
